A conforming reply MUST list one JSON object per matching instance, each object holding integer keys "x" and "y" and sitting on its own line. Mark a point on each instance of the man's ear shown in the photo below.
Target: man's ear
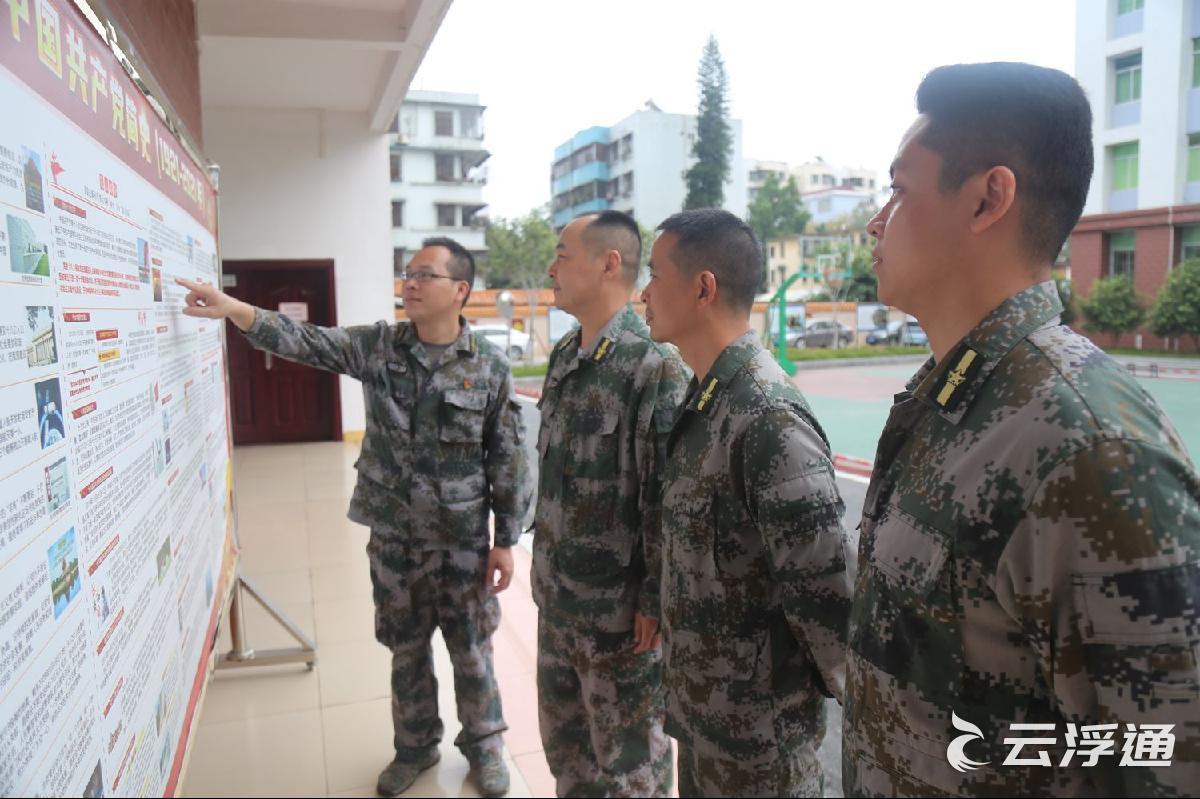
{"x": 612, "y": 264}
{"x": 992, "y": 194}
{"x": 707, "y": 288}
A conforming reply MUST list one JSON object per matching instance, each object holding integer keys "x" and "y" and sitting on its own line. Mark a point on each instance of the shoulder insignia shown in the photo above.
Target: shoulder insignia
{"x": 949, "y": 388}
{"x": 707, "y": 395}
{"x": 603, "y": 349}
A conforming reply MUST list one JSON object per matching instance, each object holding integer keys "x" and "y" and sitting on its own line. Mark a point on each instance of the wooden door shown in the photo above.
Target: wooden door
{"x": 274, "y": 400}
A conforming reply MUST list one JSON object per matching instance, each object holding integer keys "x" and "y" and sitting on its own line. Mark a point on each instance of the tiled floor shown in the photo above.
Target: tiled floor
{"x": 284, "y": 731}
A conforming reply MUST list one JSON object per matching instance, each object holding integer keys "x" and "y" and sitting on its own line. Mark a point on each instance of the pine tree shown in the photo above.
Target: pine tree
{"x": 714, "y": 136}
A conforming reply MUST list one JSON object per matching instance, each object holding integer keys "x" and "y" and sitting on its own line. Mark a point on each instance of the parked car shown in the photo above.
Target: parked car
{"x": 908, "y": 332}
{"x": 820, "y": 332}
{"x": 879, "y": 335}
{"x": 499, "y": 335}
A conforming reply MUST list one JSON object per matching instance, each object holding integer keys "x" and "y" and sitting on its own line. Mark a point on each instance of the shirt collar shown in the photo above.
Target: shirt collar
{"x": 704, "y": 394}
{"x": 951, "y": 385}
{"x": 598, "y": 350}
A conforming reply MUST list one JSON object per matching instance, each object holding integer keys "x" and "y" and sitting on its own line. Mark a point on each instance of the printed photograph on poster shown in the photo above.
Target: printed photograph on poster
{"x": 64, "y": 571}
{"x": 166, "y": 429}
{"x": 58, "y": 488}
{"x": 157, "y": 279}
{"x": 28, "y": 253}
{"x": 160, "y": 710}
{"x": 32, "y": 163}
{"x": 100, "y": 604}
{"x": 42, "y": 349}
{"x": 95, "y": 784}
{"x": 160, "y": 464}
{"x": 51, "y": 427}
{"x": 143, "y": 261}
{"x": 164, "y": 558}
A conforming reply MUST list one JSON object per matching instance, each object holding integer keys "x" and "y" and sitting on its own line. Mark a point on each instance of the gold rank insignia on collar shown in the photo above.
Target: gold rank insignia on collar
{"x": 950, "y": 387}
{"x": 603, "y": 349}
{"x": 467, "y": 383}
{"x": 707, "y": 395}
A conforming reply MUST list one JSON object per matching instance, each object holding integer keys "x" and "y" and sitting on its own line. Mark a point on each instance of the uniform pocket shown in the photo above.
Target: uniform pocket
{"x": 462, "y": 417}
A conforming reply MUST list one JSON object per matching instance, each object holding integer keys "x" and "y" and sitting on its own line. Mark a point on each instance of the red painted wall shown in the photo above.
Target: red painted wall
{"x": 163, "y": 33}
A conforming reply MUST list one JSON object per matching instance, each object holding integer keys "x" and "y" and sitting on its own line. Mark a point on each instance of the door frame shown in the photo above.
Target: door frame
{"x": 317, "y": 265}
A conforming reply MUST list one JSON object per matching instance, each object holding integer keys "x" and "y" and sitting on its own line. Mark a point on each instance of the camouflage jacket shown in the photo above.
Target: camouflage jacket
{"x": 1030, "y": 554}
{"x": 443, "y": 439}
{"x": 755, "y": 591}
{"x": 606, "y": 411}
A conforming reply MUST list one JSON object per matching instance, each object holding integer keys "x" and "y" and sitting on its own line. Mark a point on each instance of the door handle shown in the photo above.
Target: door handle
{"x": 268, "y": 360}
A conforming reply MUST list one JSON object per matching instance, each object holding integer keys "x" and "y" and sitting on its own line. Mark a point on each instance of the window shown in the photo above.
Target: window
{"x": 1120, "y": 253}
{"x": 1193, "y": 160}
{"x": 397, "y": 261}
{"x": 627, "y": 184}
{"x": 443, "y": 123}
{"x": 397, "y": 213}
{"x": 814, "y": 179}
{"x": 469, "y": 212}
{"x": 772, "y": 248}
{"x": 1196, "y": 62}
{"x": 397, "y": 165}
{"x": 1189, "y": 240}
{"x": 443, "y": 167}
{"x": 1129, "y": 6}
{"x": 626, "y": 146}
{"x": 447, "y": 215}
{"x": 1125, "y": 166}
{"x": 469, "y": 122}
{"x": 1129, "y": 78}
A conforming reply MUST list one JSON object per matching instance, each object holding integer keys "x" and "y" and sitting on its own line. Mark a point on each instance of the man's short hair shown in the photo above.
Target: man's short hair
{"x": 715, "y": 240}
{"x": 1033, "y": 120}
{"x": 461, "y": 265}
{"x": 615, "y": 230}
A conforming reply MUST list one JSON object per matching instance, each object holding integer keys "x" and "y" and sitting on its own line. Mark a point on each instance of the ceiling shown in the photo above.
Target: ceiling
{"x": 341, "y": 55}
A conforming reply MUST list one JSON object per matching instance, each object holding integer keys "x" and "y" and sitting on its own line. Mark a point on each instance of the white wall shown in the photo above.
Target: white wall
{"x": 307, "y": 184}
{"x": 1166, "y": 47}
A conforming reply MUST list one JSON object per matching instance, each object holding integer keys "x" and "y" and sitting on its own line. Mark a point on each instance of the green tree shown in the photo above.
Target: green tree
{"x": 519, "y": 253}
{"x": 1113, "y": 307}
{"x": 714, "y": 135}
{"x": 1176, "y": 310}
{"x": 775, "y": 212}
{"x": 1067, "y": 298}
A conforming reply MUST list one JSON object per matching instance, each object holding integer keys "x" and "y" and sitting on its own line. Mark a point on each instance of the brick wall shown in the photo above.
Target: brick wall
{"x": 1153, "y": 254}
{"x": 163, "y": 33}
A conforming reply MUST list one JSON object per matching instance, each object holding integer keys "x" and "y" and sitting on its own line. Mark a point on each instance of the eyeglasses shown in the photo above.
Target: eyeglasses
{"x": 423, "y": 278}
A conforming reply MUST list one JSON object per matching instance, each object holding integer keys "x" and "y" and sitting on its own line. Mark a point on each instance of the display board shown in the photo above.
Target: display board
{"x": 115, "y": 542}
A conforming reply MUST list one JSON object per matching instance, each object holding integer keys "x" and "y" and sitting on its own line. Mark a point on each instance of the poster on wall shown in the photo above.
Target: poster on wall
{"x": 113, "y": 430}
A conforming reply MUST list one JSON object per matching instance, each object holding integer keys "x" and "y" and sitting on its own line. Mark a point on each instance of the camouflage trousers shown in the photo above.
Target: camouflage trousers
{"x": 601, "y": 710}
{"x": 796, "y": 772}
{"x": 418, "y": 591}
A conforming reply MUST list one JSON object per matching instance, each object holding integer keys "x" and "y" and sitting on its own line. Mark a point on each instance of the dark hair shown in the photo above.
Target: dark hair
{"x": 461, "y": 265}
{"x": 1033, "y": 120}
{"x": 616, "y": 230}
{"x": 716, "y": 240}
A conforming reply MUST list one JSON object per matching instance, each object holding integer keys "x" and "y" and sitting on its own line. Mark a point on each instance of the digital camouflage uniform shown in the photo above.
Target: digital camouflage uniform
{"x": 606, "y": 411}
{"x": 442, "y": 447}
{"x": 755, "y": 593}
{"x": 1030, "y": 554}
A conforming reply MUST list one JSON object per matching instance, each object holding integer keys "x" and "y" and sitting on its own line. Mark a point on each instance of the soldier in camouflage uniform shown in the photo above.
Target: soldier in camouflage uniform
{"x": 755, "y": 594}
{"x": 609, "y": 398}
{"x": 442, "y": 447}
{"x": 1030, "y": 549}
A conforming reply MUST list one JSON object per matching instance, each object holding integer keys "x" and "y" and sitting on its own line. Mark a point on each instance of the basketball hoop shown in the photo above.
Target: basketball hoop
{"x": 831, "y": 276}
